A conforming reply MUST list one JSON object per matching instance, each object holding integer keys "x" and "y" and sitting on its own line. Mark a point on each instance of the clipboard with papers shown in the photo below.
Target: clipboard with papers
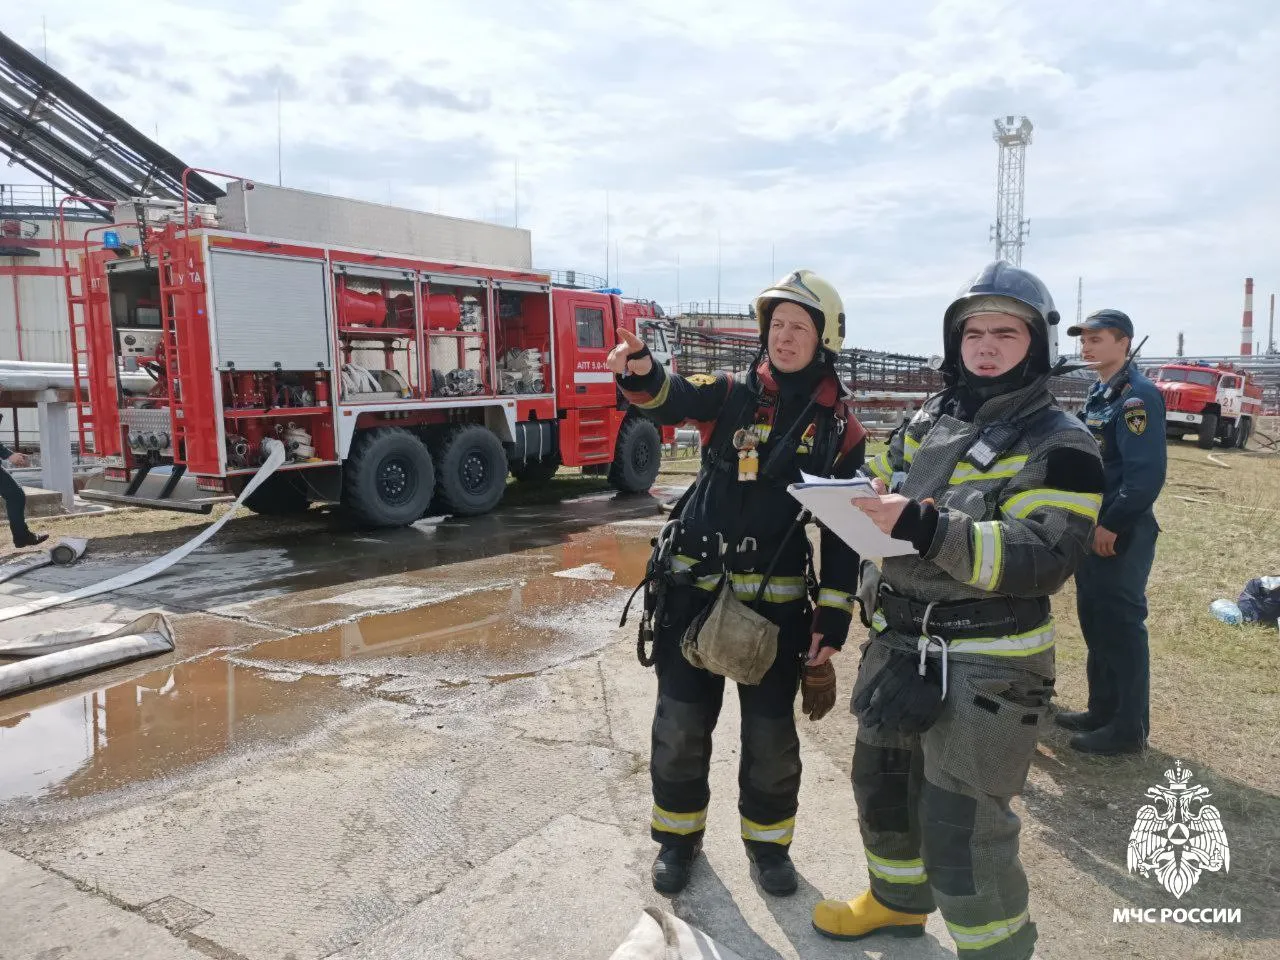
{"x": 828, "y": 501}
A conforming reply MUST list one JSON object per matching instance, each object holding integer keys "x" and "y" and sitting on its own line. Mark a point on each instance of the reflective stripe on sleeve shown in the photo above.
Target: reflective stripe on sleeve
{"x": 658, "y": 399}
{"x": 836, "y": 599}
{"x": 1024, "y": 504}
{"x": 988, "y": 554}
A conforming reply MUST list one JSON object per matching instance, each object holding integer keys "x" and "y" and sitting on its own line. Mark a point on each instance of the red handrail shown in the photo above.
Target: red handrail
{"x": 186, "y": 196}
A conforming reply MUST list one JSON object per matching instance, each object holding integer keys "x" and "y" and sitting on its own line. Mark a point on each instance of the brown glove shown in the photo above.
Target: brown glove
{"x": 818, "y": 691}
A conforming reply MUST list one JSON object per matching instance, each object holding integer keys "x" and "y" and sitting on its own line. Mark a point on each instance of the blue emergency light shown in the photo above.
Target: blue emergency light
{"x": 111, "y": 240}
{"x": 614, "y": 290}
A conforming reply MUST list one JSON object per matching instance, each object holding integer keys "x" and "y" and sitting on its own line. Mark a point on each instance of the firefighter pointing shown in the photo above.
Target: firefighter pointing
{"x": 730, "y": 591}
{"x": 998, "y": 490}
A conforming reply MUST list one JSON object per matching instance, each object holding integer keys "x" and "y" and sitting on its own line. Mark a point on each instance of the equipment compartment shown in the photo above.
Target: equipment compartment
{"x": 378, "y": 332}
{"x": 456, "y": 313}
{"x": 523, "y": 347}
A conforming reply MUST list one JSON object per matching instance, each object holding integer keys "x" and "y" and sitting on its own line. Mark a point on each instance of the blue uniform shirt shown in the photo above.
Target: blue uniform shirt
{"x": 1130, "y": 431}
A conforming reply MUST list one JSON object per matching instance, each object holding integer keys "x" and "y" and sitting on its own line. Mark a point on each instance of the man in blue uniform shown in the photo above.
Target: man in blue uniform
{"x": 1125, "y": 413}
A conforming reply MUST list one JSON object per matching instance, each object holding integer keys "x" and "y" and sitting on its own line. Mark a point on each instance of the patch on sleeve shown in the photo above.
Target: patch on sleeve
{"x": 1134, "y": 402}
{"x": 1135, "y": 418}
{"x": 701, "y": 379}
{"x": 1075, "y": 471}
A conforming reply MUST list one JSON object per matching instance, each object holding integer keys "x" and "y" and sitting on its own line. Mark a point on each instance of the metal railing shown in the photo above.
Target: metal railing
{"x": 40, "y": 202}
{"x": 576, "y": 279}
{"x": 711, "y": 308}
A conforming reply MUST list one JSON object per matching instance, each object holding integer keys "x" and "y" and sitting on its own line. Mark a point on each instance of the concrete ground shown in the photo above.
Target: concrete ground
{"x": 429, "y": 742}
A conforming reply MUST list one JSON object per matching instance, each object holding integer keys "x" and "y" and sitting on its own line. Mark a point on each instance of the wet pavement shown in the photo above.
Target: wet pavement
{"x": 288, "y": 633}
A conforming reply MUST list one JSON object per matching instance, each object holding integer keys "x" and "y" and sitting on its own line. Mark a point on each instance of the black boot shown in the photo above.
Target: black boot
{"x": 672, "y": 866}
{"x": 28, "y": 539}
{"x": 1081, "y": 721}
{"x": 1109, "y": 741}
{"x": 777, "y": 872}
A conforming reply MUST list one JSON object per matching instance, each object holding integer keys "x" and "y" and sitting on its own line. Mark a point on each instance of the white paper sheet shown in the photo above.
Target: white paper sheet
{"x": 829, "y": 502}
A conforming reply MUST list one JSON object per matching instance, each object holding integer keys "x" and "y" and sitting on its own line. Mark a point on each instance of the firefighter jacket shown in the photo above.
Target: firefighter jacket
{"x": 1130, "y": 431}
{"x": 1017, "y": 528}
{"x": 758, "y": 513}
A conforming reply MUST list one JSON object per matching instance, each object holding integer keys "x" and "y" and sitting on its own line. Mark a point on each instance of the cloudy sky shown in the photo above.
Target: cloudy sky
{"x": 847, "y": 136}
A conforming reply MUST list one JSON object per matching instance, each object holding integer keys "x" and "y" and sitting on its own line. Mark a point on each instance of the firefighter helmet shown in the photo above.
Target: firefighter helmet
{"x": 1001, "y": 281}
{"x": 814, "y": 294}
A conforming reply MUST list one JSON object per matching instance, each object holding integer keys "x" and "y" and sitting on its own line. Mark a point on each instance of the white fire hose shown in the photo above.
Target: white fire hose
{"x": 275, "y": 457}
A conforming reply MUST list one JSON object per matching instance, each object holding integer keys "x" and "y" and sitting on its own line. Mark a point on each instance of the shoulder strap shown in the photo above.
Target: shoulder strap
{"x": 739, "y": 404}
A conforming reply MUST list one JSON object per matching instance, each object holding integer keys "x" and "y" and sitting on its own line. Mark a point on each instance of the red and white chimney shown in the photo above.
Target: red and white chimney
{"x": 1246, "y": 331}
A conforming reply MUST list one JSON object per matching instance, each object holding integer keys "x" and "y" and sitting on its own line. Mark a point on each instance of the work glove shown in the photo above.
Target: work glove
{"x": 818, "y": 690}
{"x": 898, "y": 699}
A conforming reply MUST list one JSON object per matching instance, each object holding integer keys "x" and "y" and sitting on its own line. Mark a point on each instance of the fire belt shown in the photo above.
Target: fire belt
{"x": 962, "y": 620}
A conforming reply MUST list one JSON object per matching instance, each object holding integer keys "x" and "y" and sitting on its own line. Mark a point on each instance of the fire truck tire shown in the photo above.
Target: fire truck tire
{"x": 1208, "y": 431}
{"x": 1244, "y": 431}
{"x": 388, "y": 478}
{"x": 536, "y": 471}
{"x": 280, "y": 496}
{"x": 637, "y": 456}
{"x": 471, "y": 471}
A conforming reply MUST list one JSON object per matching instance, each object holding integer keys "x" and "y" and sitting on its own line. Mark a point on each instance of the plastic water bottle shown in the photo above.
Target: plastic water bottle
{"x": 1227, "y": 611}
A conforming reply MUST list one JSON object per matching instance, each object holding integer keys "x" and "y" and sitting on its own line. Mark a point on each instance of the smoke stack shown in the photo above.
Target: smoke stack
{"x": 1179, "y": 343}
{"x": 1271, "y": 327}
{"x": 1246, "y": 331}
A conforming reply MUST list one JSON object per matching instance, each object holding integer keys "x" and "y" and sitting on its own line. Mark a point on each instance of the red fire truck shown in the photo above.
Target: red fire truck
{"x": 1217, "y": 403}
{"x": 397, "y": 383}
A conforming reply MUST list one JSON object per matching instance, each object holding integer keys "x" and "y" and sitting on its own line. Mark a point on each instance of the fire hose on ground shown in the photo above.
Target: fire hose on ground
{"x": 61, "y": 655}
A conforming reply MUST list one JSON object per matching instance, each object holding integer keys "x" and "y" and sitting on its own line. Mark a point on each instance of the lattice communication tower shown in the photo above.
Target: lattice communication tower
{"x": 1013, "y": 134}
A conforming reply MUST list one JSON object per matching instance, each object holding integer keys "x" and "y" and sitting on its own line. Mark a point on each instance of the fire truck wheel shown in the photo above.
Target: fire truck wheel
{"x": 1208, "y": 431}
{"x": 1244, "y": 431}
{"x": 471, "y": 471}
{"x": 637, "y": 457}
{"x": 388, "y": 478}
{"x": 536, "y": 471}
{"x": 280, "y": 496}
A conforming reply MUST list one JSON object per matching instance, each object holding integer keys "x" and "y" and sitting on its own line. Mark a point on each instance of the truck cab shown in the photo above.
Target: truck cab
{"x": 1218, "y": 404}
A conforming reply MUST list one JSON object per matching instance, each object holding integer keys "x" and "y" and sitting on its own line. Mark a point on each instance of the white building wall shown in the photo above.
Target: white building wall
{"x": 39, "y": 301}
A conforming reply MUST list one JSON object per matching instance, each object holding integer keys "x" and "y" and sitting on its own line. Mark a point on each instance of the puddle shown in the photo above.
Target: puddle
{"x": 167, "y": 721}
{"x": 154, "y": 726}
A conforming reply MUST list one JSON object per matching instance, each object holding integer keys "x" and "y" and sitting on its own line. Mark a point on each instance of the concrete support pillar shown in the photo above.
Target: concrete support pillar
{"x": 55, "y": 448}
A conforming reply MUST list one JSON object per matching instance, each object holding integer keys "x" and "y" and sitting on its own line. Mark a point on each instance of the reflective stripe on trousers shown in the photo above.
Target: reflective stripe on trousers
{"x": 897, "y": 871}
{"x": 781, "y": 832}
{"x": 987, "y": 935}
{"x": 681, "y": 824}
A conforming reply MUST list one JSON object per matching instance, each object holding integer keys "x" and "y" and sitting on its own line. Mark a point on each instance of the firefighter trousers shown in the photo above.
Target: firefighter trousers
{"x": 1111, "y": 601}
{"x": 15, "y": 501}
{"x": 934, "y": 808}
{"x": 688, "y": 706}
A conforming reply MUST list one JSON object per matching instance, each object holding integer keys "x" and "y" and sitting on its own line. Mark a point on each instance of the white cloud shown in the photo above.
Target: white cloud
{"x": 851, "y": 137}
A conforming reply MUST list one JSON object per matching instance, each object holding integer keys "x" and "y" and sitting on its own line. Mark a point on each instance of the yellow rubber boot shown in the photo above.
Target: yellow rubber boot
{"x": 855, "y": 919}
